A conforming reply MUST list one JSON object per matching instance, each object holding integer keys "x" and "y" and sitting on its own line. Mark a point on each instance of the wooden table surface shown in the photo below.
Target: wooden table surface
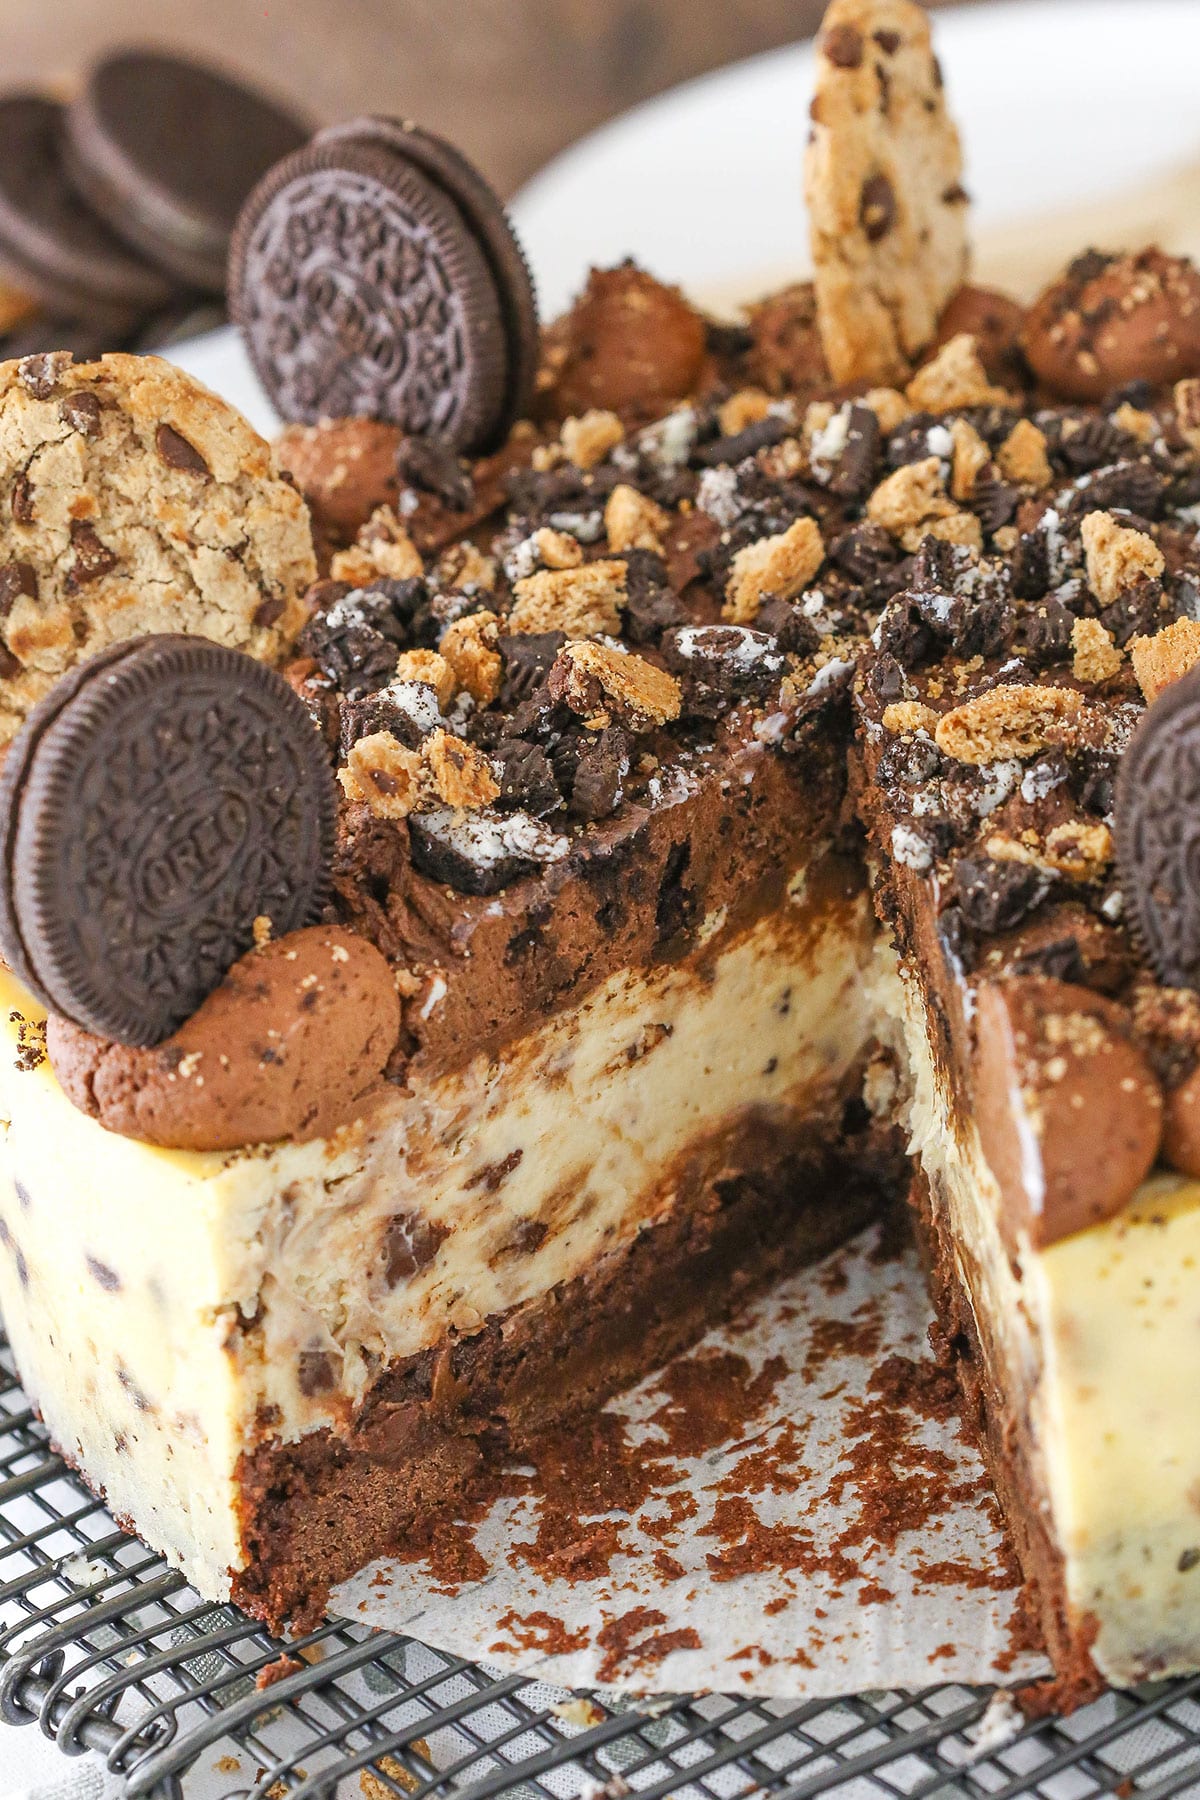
{"x": 511, "y": 81}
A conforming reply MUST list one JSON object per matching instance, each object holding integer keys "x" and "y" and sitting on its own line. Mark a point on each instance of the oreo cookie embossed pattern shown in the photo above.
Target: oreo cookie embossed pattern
{"x": 364, "y": 286}
{"x": 173, "y": 796}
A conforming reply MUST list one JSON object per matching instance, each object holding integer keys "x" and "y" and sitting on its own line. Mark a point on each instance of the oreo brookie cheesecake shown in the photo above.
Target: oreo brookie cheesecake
{"x": 436, "y": 883}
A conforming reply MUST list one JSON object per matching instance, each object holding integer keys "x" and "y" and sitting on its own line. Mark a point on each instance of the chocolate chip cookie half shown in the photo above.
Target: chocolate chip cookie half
{"x": 132, "y": 500}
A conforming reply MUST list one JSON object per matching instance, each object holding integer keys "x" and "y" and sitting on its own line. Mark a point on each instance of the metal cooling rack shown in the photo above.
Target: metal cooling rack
{"x": 107, "y": 1649}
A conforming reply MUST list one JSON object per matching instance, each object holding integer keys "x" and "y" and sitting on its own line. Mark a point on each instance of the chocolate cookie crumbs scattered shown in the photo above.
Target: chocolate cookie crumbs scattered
{"x": 995, "y": 896}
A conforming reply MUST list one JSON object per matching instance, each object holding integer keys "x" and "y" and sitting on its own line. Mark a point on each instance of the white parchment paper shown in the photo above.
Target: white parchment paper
{"x": 789, "y": 1510}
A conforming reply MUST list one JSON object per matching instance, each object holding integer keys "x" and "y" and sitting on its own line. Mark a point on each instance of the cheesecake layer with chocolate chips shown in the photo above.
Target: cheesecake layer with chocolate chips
{"x": 199, "y": 1326}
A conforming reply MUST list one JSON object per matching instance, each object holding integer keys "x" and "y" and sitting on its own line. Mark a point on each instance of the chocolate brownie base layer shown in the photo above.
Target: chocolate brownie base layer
{"x": 754, "y": 1202}
{"x": 1001, "y": 1429}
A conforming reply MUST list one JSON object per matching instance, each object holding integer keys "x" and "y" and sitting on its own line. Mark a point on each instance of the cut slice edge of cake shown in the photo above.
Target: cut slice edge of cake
{"x": 276, "y": 1363}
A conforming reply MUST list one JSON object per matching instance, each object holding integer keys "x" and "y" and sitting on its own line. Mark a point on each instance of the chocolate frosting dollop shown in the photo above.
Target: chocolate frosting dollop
{"x": 1069, "y": 1110}
{"x": 288, "y": 1046}
{"x": 1113, "y": 319}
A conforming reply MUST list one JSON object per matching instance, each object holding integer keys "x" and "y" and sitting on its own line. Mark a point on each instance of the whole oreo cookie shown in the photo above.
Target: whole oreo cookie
{"x": 484, "y": 212}
{"x": 1157, "y": 834}
{"x": 51, "y": 245}
{"x": 165, "y": 795}
{"x": 364, "y": 287}
{"x": 166, "y": 152}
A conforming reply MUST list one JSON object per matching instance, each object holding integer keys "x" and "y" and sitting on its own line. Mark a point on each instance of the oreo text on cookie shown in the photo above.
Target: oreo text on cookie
{"x": 162, "y": 798}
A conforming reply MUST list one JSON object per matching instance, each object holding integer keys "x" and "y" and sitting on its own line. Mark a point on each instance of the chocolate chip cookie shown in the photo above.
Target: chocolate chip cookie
{"x": 883, "y": 177}
{"x": 132, "y": 500}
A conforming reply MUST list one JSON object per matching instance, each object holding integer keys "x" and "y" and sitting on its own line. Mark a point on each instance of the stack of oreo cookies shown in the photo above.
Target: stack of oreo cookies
{"x": 116, "y": 208}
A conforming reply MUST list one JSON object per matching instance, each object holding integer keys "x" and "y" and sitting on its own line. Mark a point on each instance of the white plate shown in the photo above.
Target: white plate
{"x": 1061, "y": 103}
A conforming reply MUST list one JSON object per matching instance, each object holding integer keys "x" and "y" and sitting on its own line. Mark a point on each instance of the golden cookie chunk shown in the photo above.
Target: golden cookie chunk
{"x": 883, "y": 178}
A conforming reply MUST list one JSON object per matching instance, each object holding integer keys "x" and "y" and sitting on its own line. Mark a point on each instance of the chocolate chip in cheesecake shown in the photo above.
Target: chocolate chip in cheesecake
{"x": 410, "y": 1243}
{"x": 525, "y": 1238}
{"x": 102, "y": 1274}
{"x": 1157, "y": 833}
{"x": 316, "y": 1373}
{"x": 10, "y": 1243}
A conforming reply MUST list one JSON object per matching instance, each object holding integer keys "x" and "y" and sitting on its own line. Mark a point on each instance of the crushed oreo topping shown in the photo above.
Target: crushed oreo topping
{"x": 433, "y": 466}
{"x": 481, "y": 853}
{"x": 996, "y": 896}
